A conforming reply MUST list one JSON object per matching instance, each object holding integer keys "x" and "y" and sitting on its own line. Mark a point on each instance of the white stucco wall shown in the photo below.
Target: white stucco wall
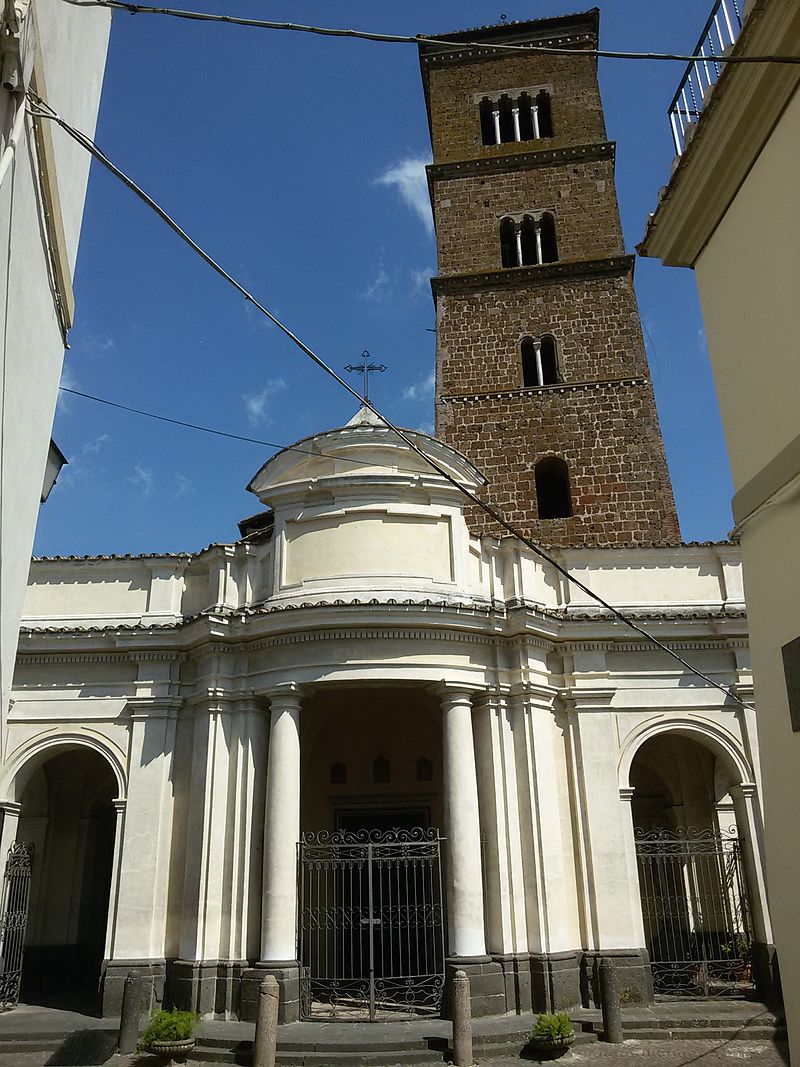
{"x": 73, "y": 44}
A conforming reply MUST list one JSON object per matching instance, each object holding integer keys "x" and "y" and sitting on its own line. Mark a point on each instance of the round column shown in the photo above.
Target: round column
{"x": 463, "y": 873}
{"x": 281, "y": 829}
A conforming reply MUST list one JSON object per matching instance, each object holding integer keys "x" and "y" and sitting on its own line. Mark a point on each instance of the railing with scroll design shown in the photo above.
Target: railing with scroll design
{"x": 701, "y": 75}
{"x": 371, "y": 923}
{"x": 696, "y": 912}
{"x": 13, "y": 920}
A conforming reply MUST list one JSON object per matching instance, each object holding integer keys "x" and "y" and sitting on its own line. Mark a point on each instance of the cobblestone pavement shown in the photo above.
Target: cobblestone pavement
{"x": 676, "y": 1053}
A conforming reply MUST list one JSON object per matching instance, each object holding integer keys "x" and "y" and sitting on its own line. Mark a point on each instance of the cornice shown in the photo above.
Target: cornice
{"x": 503, "y": 162}
{"x": 737, "y": 120}
{"x": 536, "y": 390}
{"x": 475, "y": 51}
{"x": 372, "y": 634}
{"x": 525, "y": 277}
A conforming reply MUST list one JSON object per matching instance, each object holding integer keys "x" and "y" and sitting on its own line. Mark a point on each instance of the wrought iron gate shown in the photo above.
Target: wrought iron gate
{"x": 13, "y": 920}
{"x": 696, "y": 912}
{"x": 371, "y": 923}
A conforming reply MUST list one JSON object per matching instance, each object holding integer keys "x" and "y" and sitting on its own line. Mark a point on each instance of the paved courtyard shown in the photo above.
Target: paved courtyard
{"x": 675, "y": 1053}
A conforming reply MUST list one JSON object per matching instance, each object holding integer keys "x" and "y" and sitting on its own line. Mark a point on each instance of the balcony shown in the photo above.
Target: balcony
{"x": 702, "y": 73}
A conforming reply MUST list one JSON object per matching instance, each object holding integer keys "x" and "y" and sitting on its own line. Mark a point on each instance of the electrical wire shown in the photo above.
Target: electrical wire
{"x": 224, "y": 433}
{"x": 43, "y": 110}
{"x": 419, "y": 38}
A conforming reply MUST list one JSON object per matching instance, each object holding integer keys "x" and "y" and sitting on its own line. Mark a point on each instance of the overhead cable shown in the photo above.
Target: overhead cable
{"x": 43, "y": 110}
{"x": 419, "y": 38}
{"x": 223, "y": 433}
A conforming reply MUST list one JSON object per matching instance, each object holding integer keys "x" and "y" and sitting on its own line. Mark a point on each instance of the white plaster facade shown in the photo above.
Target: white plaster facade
{"x": 218, "y": 687}
{"x": 735, "y": 189}
{"x": 61, "y": 50}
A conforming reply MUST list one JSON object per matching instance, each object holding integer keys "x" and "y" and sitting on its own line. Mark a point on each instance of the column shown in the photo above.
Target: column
{"x": 515, "y": 116}
{"x": 464, "y": 885}
{"x": 496, "y": 121}
{"x": 751, "y": 837}
{"x": 535, "y": 119}
{"x": 537, "y": 232}
{"x": 140, "y": 907}
{"x": 518, "y": 236}
{"x": 282, "y": 829}
{"x": 8, "y": 832}
{"x": 537, "y": 351}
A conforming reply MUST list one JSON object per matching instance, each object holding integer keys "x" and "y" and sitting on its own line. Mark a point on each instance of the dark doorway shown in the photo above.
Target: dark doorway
{"x": 68, "y": 812}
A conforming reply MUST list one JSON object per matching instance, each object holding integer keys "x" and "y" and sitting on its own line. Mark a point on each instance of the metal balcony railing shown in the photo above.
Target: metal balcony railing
{"x": 702, "y": 73}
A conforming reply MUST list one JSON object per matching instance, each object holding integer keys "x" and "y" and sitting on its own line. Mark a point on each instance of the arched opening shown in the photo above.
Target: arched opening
{"x": 544, "y": 113}
{"x": 695, "y": 901}
{"x": 488, "y": 132}
{"x": 529, "y": 242}
{"x": 508, "y": 243}
{"x": 67, "y": 812}
{"x": 507, "y": 132}
{"x": 548, "y": 233}
{"x": 553, "y": 496}
{"x": 539, "y": 361}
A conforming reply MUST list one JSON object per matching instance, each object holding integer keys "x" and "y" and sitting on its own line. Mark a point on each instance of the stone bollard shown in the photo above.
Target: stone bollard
{"x": 610, "y": 1003}
{"x": 266, "y": 1037}
{"x": 462, "y": 1021}
{"x": 130, "y": 1013}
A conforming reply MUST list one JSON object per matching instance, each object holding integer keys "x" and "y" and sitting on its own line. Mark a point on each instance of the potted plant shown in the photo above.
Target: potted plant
{"x": 552, "y": 1035}
{"x": 170, "y": 1033}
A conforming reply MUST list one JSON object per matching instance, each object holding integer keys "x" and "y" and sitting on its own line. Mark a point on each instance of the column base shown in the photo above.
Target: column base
{"x": 555, "y": 980}
{"x": 486, "y": 981}
{"x": 208, "y": 987}
{"x": 112, "y": 984}
{"x": 288, "y": 974}
{"x": 766, "y": 974}
{"x": 635, "y": 976}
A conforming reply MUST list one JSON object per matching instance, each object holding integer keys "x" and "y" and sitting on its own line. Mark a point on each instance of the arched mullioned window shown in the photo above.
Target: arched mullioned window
{"x": 505, "y": 119}
{"x": 539, "y": 360}
{"x": 424, "y": 770}
{"x": 381, "y": 770}
{"x": 553, "y": 496}
{"x": 528, "y": 240}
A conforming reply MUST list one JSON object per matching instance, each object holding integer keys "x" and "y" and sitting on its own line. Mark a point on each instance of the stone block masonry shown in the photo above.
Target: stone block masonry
{"x": 599, "y": 416}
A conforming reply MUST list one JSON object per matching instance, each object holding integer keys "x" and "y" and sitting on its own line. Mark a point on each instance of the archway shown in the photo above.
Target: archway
{"x": 67, "y": 812}
{"x": 689, "y": 849}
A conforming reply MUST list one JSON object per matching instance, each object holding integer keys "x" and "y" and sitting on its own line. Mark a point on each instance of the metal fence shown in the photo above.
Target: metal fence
{"x": 371, "y": 923}
{"x": 13, "y": 920}
{"x": 696, "y": 912}
{"x": 701, "y": 75}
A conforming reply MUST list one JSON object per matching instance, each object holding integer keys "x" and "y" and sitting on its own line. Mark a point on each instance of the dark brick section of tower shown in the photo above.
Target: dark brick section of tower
{"x": 600, "y": 415}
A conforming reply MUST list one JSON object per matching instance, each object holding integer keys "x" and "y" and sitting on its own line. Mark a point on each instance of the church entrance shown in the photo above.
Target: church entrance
{"x": 695, "y": 902}
{"x": 68, "y": 820}
{"x": 372, "y": 942}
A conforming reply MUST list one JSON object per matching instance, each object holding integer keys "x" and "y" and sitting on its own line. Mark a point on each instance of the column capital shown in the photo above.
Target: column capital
{"x": 119, "y": 803}
{"x": 744, "y": 790}
{"x": 626, "y": 794}
{"x": 284, "y": 694}
{"x": 13, "y": 807}
{"x": 455, "y": 693}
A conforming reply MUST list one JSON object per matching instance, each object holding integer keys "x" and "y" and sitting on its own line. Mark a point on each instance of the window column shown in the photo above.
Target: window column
{"x": 537, "y": 352}
{"x": 518, "y": 239}
{"x": 537, "y": 233}
{"x": 515, "y": 116}
{"x": 535, "y": 120}
{"x": 496, "y": 121}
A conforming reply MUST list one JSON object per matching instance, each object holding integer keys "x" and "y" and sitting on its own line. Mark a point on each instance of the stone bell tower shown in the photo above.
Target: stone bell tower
{"x": 541, "y": 372}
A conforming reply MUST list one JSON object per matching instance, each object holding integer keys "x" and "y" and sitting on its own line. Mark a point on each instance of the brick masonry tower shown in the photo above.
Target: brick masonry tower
{"x": 541, "y": 372}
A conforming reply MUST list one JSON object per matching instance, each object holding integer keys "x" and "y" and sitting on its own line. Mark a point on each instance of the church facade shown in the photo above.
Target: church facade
{"x": 374, "y": 740}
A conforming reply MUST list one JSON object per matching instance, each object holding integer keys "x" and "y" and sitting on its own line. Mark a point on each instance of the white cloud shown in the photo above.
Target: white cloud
{"x": 95, "y": 445}
{"x": 96, "y": 344}
{"x": 256, "y": 403}
{"x": 143, "y": 477}
{"x": 420, "y": 279}
{"x": 421, "y": 390}
{"x": 185, "y": 485}
{"x": 408, "y": 178}
{"x": 378, "y": 287}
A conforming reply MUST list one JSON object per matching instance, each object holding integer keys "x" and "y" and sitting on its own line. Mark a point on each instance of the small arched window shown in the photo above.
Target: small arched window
{"x": 539, "y": 360}
{"x": 424, "y": 770}
{"x": 338, "y": 773}
{"x": 381, "y": 770}
{"x": 528, "y": 240}
{"x": 553, "y": 496}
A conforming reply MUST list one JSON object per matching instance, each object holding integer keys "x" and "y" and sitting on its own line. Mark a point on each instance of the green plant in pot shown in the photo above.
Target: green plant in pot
{"x": 552, "y": 1035}
{"x": 170, "y": 1033}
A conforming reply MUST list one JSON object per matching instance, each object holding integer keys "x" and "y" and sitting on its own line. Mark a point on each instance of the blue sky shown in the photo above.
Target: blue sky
{"x": 295, "y": 161}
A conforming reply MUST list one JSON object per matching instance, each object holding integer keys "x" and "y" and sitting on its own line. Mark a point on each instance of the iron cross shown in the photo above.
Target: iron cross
{"x": 366, "y": 368}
